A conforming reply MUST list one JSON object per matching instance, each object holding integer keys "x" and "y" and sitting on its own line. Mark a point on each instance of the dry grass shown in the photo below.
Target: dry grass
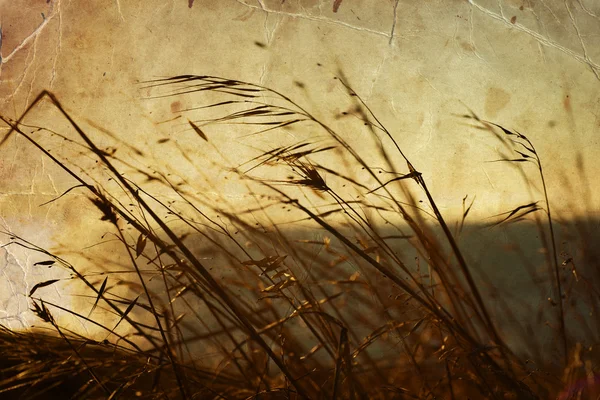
{"x": 327, "y": 303}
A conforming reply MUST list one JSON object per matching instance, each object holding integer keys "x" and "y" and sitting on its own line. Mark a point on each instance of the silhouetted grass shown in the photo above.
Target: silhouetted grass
{"x": 333, "y": 282}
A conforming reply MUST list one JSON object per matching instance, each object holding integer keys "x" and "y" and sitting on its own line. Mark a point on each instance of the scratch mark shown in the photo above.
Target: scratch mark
{"x": 49, "y": 176}
{"x": 263, "y": 74}
{"x": 490, "y": 46}
{"x": 34, "y": 34}
{"x": 393, "y": 104}
{"x": 39, "y": 193}
{"x": 112, "y": 60}
{"x": 121, "y": 14}
{"x": 262, "y": 7}
{"x": 32, "y": 80}
{"x": 551, "y": 13}
{"x": 471, "y": 40}
{"x": 542, "y": 27}
{"x": 58, "y": 46}
{"x": 54, "y": 11}
{"x": 376, "y": 77}
{"x": 541, "y": 39}
{"x": 501, "y": 9}
{"x": 429, "y": 82}
{"x": 28, "y": 65}
{"x": 581, "y": 42}
{"x": 429, "y": 123}
{"x": 488, "y": 178}
{"x": 270, "y": 33}
{"x": 541, "y": 49}
{"x": 588, "y": 12}
{"x": 394, "y": 22}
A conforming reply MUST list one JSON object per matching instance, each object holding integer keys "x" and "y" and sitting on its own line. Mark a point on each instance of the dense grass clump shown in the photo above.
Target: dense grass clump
{"x": 334, "y": 280}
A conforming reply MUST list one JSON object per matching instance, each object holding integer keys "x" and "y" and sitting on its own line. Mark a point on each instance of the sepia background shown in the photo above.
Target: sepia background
{"x": 529, "y": 65}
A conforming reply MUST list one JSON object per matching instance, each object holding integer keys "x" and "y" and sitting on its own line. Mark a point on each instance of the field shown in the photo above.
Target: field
{"x": 341, "y": 278}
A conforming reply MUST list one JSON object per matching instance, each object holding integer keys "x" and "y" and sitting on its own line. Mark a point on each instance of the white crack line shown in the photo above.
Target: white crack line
{"x": 119, "y": 10}
{"x": 587, "y": 11}
{"x": 581, "y": 42}
{"x": 58, "y": 47}
{"x": 34, "y": 34}
{"x": 262, "y": 7}
{"x": 541, "y": 39}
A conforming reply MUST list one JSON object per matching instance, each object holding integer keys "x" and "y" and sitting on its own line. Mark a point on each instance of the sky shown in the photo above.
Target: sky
{"x": 530, "y": 66}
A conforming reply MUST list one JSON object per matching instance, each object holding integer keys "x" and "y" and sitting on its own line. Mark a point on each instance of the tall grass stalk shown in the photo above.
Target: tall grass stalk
{"x": 319, "y": 299}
